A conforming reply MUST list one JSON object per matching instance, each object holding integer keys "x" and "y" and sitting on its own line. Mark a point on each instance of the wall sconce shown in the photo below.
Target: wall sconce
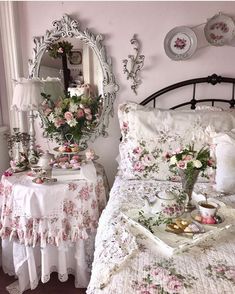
{"x": 136, "y": 64}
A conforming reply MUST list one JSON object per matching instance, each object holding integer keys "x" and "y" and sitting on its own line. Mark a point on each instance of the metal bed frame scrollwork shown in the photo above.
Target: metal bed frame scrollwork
{"x": 213, "y": 80}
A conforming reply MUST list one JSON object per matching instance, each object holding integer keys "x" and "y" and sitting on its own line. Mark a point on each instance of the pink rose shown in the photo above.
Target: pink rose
{"x": 182, "y": 164}
{"x": 220, "y": 268}
{"x": 58, "y": 122}
{"x": 138, "y": 166}
{"x": 147, "y": 159}
{"x": 187, "y": 157}
{"x": 47, "y": 111}
{"x": 174, "y": 285}
{"x": 88, "y": 116}
{"x": 80, "y": 113}
{"x": 137, "y": 150}
{"x": 87, "y": 110}
{"x": 68, "y": 116}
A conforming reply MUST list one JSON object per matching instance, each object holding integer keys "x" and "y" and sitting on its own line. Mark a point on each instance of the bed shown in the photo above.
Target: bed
{"x": 126, "y": 260}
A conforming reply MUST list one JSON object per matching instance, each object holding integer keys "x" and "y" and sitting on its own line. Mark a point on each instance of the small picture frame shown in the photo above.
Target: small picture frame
{"x": 76, "y": 57}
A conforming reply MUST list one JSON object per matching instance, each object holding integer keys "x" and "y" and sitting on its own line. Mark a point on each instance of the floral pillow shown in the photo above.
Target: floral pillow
{"x": 149, "y": 133}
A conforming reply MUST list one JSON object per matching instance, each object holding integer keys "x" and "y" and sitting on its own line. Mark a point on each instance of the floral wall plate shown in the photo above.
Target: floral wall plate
{"x": 180, "y": 43}
{"x": 219, "y": 30}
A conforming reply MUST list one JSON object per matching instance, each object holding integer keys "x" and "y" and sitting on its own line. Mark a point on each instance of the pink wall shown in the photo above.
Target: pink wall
{"x": 151, "y": 21}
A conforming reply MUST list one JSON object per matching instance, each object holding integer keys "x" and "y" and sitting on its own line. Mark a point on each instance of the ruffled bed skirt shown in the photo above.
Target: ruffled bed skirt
{"x": 30, "y": 264}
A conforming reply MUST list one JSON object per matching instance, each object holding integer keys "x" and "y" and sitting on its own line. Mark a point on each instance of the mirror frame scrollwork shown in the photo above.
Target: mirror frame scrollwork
{"x": 68, "y": 27}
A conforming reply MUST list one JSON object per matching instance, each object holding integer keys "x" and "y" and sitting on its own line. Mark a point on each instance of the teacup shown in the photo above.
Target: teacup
{"x": 207, "y": 209}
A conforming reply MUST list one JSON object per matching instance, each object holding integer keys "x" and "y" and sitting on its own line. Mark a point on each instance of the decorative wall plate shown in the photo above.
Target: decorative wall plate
{"x": 219, "y": 30}
{"x": 180, "y": 43}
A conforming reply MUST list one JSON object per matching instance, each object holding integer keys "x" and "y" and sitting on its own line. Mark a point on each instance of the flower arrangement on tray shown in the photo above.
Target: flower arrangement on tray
{"x": 56, "y": 50}
{"x": 188, "y": 159}
{"x": 76, "y": 115}
{"x": 188, "y": 163}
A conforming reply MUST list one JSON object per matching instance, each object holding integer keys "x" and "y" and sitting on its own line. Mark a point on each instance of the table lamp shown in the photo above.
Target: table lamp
{"x": 27, "y": 97}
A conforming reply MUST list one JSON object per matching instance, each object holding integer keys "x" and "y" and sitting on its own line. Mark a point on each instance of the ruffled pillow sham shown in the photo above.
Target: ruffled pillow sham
{"x": 148, "y": 133}
{"x": 225, "y": 162}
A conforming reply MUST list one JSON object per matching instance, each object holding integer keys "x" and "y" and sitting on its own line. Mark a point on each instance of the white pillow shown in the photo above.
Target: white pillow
{"x": 148, "y": 133}
{"x": 225, "y": 162}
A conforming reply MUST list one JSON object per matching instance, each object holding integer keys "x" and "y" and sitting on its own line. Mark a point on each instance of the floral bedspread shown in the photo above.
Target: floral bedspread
{"x": 127, "y": 262}
{"x": 50, "y": 214}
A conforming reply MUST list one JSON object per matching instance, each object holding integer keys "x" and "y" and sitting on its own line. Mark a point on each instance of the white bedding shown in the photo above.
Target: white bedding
{"x": 126, "y": 262}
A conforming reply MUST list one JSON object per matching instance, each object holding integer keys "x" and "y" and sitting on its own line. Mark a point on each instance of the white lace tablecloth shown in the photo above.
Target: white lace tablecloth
{"x": 47, "y": 228}
{"x": 126, "y": 261}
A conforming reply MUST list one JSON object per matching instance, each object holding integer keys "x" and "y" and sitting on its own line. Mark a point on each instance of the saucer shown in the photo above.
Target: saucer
{"x": 44, "y": 181}
{"x": 195, "y": 214}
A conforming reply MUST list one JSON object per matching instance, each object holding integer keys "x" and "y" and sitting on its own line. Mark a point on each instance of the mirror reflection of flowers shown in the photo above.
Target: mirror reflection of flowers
{"x": 189, "y": 160}
{"x": 76, "y": 115}
{"x": 56, "y": 50}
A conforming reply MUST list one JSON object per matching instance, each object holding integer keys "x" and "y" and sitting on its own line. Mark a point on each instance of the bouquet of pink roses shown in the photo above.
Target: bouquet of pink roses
{"x": 75, "y": 115}
{"x": 188, "y": 159}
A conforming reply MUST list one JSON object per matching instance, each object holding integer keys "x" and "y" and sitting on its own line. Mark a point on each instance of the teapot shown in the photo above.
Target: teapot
{"x": 45, "y": 160}
{"x": 168, "y": 203}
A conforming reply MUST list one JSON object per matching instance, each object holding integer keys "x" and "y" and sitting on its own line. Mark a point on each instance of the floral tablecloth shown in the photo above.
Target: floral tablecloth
{"x": 126, "y": 261}
{"x": 50, "y": 213}
{"x": 46, "y": 228}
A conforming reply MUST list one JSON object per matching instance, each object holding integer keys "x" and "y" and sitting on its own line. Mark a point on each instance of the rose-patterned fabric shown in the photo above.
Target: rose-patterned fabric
{"x": 148, "y": 133}
{"x": 50, "y": 214}
{"x": 47, "y": 228}
{"x": 126, "y": 261}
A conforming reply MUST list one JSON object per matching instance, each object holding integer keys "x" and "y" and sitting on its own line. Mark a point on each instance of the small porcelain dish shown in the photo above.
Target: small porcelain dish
{"x": 219, "y": 30}
{"x": 180, "y": 43}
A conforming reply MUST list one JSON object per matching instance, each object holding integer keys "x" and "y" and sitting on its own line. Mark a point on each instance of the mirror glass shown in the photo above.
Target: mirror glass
{"x": 82, "y": 66}
{"x": 79, "y": 59}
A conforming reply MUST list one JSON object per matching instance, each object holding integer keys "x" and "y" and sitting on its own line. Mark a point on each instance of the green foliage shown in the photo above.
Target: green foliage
{"x": 56, "y": 50}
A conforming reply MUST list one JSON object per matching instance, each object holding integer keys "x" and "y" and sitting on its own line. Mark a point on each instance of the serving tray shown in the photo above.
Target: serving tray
{"x": 171, "y": 243}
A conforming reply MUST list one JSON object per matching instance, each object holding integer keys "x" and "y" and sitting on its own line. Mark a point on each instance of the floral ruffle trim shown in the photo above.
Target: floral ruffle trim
{"x": 31, "y": 237}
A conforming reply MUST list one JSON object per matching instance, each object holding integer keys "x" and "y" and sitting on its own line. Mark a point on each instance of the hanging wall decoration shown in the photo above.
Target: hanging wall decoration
{"x": 136, "y": 64}
{"x": 219, "y": 30}
{"x": 180, "y": 43}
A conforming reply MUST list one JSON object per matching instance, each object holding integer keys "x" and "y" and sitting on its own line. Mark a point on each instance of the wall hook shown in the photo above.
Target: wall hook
{"x": 136, "y": 64}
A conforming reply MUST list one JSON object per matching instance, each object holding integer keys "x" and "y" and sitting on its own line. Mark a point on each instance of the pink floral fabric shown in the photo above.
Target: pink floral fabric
{"x": 79, "y": 208}
{"x": 127, "y": 261}
{"x": 148, "y": 133}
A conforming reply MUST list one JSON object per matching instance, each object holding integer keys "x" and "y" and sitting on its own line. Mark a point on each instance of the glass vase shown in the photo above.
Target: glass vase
{"x": 188, "y": 180}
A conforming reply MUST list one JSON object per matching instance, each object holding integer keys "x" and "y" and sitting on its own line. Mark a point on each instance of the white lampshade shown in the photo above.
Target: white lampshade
{"x": 27, "y": 94}
{"x": 53, "y": 87}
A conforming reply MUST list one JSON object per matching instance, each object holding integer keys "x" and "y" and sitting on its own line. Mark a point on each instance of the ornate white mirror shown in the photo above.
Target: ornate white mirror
{"x": 86, "y": 63}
